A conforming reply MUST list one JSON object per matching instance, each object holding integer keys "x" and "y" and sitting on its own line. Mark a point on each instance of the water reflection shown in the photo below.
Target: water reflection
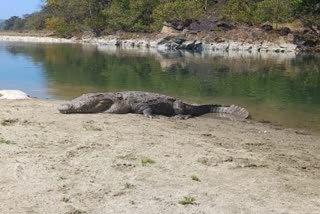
{"x": 276, "y": 87}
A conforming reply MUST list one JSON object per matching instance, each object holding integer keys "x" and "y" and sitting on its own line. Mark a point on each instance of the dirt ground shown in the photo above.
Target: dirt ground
{"x": 102, "y": 163}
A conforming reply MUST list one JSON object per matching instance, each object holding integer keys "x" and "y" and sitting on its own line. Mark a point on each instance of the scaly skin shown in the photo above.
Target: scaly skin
{"x": 145, "y": 103}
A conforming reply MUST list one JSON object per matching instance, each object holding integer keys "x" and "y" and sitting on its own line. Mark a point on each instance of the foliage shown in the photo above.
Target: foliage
{"x": 187, "y": 200}
{"x": 235, "y": 10}
{"x": 275, "y": 11}
{"x": 308, "y": 11}
{"x": 147, "y": 161}
{"x": 59, "y": 25}
{"x": 14, "y": 23}
{"x": 1, "y": 24}
{"x": 130, "y": 15}
{"x": 70, "y": 16}
{"x": 35, "y": 21}
{"x": 178, "y": 9}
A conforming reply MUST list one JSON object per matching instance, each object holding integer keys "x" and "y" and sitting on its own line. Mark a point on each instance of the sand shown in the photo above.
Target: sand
{"x": 102, "y": 163}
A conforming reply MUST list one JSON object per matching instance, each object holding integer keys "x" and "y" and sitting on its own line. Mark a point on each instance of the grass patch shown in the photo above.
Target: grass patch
{"x": 195, "y": 178}
{"x": 129, "y": 186}
{"x": 9, "y": 122}
{"x": 4, "y": 141}
{"x": 91, "y": 128}
{"x": 147, "y": 161}
{"x": 187, "y": 200}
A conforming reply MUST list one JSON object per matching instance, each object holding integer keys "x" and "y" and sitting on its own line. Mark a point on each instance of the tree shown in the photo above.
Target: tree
{"x": 276, "y": 11}
{"x": 130, "y": 15}
{"x": 178, "y": 9}
{"x": 14, "y": 23}
{"x": 308, "y": 11}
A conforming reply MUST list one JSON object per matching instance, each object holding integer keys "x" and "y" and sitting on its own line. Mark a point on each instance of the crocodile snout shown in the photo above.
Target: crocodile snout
{"x": 64, "y": 108}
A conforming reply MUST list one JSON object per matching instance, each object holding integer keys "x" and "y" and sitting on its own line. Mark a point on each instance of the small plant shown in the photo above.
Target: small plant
{"x": 91, "y": 128}
{"x": 146, "y": 161}
{"x": 195, "y": 178}
{"x": 65, "y": 199}
{"x": 8, "y": 122}
{"x": 129, "y": 186}
{"x": 187, "y": 200}
{"x": 4, "y": 141}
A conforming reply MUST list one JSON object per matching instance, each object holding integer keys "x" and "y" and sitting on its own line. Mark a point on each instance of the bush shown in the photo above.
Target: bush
{"x": 59, "y": 25}
{"x": 240, "y": 11}
{"x": 275, "y": 11}
{"x": 179, "y": 9}
{"x": 130, "y": 15}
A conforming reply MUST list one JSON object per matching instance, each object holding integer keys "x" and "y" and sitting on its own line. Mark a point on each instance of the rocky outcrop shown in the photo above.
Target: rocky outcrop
{"x": 204, "y": 35}
{"x": 34, "y": 39}
{"x": 176, "y": 43}
{"x": 307, "y": 41}
{"x": 198, "y": 25}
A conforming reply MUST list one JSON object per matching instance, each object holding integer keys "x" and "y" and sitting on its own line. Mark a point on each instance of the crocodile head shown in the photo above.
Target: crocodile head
{"x": 66, "y": 108}
{"x": 86, "y": 106}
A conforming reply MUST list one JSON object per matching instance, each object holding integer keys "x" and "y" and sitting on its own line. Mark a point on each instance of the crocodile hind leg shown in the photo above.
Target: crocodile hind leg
{"x": 148, "y": 113}
{"x": 179, "y": 110}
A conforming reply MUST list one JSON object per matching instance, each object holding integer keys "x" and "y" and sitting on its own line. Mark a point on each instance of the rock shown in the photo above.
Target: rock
{"x": 187, "y": 45}
{"x": 210, "y": 24}
{"x": 13, "y": 95}
{"x": 168, "y": 30}
{"x": 307, "y": 40}
{"x": 196, "y": 25}
{"x": 178, "y": 25}
{"x": 284, "y": 31}
{"x": 266, "y": 27}
{"x": 219, "y": 39}
{"x": 198, "y": 46}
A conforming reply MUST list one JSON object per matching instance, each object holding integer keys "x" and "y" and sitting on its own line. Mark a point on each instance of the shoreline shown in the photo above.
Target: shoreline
{"x": 166, "y": 42}
{"x": 56, "y": 163}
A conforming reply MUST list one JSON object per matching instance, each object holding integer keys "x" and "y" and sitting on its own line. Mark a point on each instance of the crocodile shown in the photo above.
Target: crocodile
{"x": 146, "y": 103}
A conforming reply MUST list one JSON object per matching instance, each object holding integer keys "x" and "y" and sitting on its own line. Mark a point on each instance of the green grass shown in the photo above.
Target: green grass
{"x": 4, "y": 141}
{"x": 147, "y": 161}
{"x": 195, "y": 178}
{"x": 91, "y": 128}
{"x": 9, "y": 122}
{"x": 129, "y": 186}
{"x": 187, "y": 200}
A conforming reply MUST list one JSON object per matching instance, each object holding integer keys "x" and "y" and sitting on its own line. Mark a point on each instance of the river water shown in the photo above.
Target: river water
{"x": 281, "y": 88}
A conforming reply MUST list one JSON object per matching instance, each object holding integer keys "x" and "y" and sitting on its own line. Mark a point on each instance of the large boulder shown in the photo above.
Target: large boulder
{"x": 266, "y": 27}
{"x": 284, "y": 31}
{"x": 13, "y": 95}
{"x": 177, "y": 43}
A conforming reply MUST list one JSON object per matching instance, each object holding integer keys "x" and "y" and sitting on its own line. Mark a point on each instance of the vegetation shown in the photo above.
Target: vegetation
{"x": 4, "y": 141}
{"x": 195, "y": 178}
{"x": 66, "y": 17}
{"x": 147, "y": 161}
{"x": 187, "y": 200}
{"x": 9, "y": 122}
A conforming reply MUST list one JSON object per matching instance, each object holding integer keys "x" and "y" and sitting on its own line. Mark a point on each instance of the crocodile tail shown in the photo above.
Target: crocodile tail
{"x": 233, "y": 110}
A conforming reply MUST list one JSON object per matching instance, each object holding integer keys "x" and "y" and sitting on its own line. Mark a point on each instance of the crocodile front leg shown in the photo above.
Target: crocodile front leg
{"x": 119, "y": 108}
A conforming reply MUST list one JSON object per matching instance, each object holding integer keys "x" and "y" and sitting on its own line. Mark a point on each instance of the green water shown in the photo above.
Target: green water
{"x": 283, "y": 89}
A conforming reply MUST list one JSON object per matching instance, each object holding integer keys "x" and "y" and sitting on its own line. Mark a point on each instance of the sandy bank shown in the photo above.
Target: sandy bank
{"x": 54, "y": 163}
